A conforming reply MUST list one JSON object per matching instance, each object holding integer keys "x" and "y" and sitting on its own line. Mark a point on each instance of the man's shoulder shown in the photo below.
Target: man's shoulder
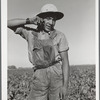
{"x": 31, "y": 31}
{"x": 59, "y": 33}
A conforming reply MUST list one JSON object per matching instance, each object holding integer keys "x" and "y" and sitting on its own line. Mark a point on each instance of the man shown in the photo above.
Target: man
{"x": 48, "y": 52}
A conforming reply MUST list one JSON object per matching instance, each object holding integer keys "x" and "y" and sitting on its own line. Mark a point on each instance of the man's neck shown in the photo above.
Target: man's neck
{"x": 43, "y": 35}
{"x": 47, "y": 32}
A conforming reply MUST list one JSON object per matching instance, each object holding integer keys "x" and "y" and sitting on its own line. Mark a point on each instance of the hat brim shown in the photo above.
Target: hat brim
{"x": 56, "y": 15}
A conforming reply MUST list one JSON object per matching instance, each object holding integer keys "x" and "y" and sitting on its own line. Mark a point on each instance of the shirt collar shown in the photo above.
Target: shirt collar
{"x": 53, "y": 34}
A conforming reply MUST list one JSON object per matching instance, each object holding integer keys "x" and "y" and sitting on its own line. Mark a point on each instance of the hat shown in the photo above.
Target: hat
{"x": 50, "y": 10}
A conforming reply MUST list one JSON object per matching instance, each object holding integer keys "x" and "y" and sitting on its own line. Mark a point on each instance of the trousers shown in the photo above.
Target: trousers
{"x": 46, "y": 83}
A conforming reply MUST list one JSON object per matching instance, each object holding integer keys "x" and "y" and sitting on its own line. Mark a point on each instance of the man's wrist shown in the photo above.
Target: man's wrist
{"x": 27, "y": 21}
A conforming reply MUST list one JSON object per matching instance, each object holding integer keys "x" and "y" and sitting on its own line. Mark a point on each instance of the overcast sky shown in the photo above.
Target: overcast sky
{"x": 78, "y": 25}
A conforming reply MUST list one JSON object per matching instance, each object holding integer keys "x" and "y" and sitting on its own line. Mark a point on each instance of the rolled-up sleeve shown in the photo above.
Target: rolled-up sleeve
{"x": 63, "y": 44}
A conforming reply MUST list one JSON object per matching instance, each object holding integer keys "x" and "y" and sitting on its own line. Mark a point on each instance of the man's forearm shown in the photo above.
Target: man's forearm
{"x": 65, "y": 71}
{"x": 16, "y": 22}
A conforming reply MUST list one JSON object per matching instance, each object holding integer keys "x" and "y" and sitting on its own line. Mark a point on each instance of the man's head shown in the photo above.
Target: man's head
{"x": 50, "y": 14}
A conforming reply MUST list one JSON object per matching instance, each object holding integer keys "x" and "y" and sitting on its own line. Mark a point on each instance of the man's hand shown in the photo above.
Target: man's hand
{"x": 35, "y": 20}
{"x": 63, "y": 93}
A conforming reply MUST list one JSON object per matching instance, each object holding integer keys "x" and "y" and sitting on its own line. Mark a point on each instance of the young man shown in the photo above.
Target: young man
{"x": 48, "y": 52}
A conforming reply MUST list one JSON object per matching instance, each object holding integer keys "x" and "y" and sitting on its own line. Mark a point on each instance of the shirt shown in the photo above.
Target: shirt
{"x": 58, "y": 38}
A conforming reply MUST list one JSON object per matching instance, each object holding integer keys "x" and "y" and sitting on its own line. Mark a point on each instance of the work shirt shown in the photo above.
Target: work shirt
{"x": 58, "y": 39}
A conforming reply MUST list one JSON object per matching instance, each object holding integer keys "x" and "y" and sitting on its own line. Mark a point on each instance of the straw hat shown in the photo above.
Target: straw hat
{"x": 50, "y": 10}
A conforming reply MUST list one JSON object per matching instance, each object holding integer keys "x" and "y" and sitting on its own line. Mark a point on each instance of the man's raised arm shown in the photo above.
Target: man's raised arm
{"x": 18, "y": 22}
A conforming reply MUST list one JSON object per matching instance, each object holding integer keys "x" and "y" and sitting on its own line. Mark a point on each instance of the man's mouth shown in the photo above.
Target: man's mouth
{"x": 49, "y": 26}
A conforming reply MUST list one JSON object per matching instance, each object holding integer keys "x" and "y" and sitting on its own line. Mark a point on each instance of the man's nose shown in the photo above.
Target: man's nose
{"x": 51, "y": 21}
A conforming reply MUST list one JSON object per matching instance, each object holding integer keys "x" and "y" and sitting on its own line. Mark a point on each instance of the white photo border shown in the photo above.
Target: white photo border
{"x": 4, "y": 49}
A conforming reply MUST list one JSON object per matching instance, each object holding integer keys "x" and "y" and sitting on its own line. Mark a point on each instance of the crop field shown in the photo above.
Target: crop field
{"x": 82, "y": 83}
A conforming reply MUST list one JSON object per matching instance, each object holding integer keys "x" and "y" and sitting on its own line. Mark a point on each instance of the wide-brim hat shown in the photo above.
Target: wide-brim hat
{"x": 50, "y": 10}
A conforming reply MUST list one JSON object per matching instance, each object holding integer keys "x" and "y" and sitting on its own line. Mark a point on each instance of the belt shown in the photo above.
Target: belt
{"x": 45, "y": 66}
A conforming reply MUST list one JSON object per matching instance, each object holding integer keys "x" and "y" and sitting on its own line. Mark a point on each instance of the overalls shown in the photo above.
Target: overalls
{"x": 47, "y": 77}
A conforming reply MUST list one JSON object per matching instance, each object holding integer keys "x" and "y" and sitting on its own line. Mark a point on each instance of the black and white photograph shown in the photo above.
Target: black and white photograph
{"x": 51, "y": 50}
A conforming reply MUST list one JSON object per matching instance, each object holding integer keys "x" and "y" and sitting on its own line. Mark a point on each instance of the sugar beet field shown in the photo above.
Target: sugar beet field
{"x": 82, "y": 83}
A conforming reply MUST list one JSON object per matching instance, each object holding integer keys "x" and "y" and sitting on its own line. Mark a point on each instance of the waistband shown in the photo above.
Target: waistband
{"x": 45, "y": 66}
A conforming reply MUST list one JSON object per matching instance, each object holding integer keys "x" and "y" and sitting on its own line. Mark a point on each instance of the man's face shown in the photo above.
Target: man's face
{"x": 49, "y": 24}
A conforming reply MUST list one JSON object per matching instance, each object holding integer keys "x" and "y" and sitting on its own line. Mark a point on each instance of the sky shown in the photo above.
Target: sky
{"x": 78, "y": 25}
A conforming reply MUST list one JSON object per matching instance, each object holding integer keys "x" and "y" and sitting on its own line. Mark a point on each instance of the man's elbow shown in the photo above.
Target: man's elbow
{"x": 9, "y": 24}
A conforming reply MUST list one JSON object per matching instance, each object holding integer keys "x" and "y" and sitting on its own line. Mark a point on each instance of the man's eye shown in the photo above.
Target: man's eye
{"x": 48, "y": 18}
